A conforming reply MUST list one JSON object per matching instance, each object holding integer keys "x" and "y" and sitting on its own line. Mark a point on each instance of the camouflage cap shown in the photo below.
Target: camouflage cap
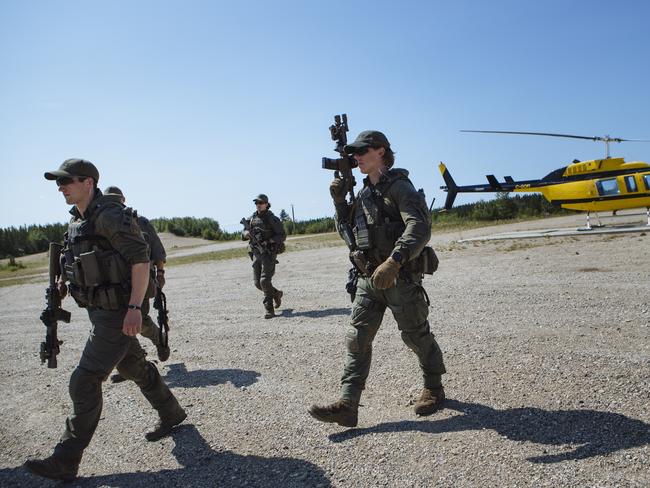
{"x": 261, "y": 198}
{"x": 113, "y": 190}
{"x": 74, "y": 167}
{"x": 367, "y": 138}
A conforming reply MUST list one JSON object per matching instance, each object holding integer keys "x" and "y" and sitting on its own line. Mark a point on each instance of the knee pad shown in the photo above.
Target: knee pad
{"x": 265, "y": 285}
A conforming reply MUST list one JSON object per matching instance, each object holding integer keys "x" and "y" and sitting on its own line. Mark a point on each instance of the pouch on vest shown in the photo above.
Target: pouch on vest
{"x": 91, "y": 273}
{"x": 429, "y": 260}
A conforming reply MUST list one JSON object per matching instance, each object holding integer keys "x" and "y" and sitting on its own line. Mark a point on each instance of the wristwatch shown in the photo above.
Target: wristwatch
{"x": 397, "y": 257}
{"x": 135, "y": 307}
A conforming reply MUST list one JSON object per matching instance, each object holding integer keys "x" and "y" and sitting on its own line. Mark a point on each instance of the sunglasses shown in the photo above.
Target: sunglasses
{"x": 362, "y": 151}
{"x": 67, "y": 180}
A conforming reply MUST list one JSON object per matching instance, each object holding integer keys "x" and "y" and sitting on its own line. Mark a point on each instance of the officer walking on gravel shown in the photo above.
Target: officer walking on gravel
{"x": 106, "y": 262}
{"x": 266, "y": 235}
{"x": 391, "y": 226}
{"x": 158, "y": 257}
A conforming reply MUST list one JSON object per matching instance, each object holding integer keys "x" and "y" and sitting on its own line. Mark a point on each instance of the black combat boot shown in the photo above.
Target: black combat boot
{"x": 54, "y": 468}
{"x": 166, "y": 424}
{"x": 339, "y": 412}
{"x": 270, "y": 313}
{"x": 431, "y": 400}
{"x": 277, "y": 298}
{"x": 163, "y": 353}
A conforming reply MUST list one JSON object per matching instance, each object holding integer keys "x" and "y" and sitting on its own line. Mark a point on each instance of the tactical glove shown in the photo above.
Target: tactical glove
{"x": 385, "y": 276}
{"x": 63, "y": 289}
{"x": 338, "y": 190}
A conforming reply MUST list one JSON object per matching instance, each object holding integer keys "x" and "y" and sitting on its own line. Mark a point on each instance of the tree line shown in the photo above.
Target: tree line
{"x": 19, "y": 241}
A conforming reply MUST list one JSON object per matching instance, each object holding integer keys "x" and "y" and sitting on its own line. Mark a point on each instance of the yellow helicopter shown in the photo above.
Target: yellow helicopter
{"x": 598, "y": 185}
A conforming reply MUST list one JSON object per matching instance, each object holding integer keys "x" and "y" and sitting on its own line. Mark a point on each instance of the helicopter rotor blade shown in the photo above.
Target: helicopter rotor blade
{"x": 550, "y": 134}
{"x": 532, "y": 134}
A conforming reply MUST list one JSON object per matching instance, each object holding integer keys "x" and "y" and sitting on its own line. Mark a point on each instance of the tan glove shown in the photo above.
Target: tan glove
{"x": 385, "y": 276}
{"x": 63, "y": 289}
{"x": 160, "y": 278}
{"x": 338, "y": 190}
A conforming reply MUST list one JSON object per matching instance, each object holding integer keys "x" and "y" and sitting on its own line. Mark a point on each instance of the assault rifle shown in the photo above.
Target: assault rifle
{"x": 343, "y": 169}
{"x": 53, "y": 311}
{"x": 254, "y": 236}
{"x": 160, "y": 304}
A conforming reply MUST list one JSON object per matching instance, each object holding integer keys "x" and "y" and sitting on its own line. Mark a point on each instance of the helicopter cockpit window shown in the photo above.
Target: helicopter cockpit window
{"x": 630, "y": 184}
{"x": 646, "y": 179}
{"x": 607, "y": 187}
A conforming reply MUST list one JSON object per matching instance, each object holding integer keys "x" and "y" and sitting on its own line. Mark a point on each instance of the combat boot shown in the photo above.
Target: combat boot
{"x": 270, "y": 313}
{"x": 163, "y": 353}
{"x": 54, "y": 468}
{"x": 277, "y": 298}
{"x": 339, "y": 412}
{"x": 166, "y": 424}
{"x": 431, "y": 400}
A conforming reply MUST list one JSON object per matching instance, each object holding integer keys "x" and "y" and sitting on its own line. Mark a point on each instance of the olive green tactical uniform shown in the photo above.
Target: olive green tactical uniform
{"x": 387, "y": 217}
{"x": 157, "y": 253}
{"x": 100, "y": 249}
{"x": 268, "y": 226}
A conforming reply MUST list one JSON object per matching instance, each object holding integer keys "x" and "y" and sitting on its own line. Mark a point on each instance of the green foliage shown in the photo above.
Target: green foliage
{"x": 205, "y": 228}
{"x": 504, "y": 207}
{"x": 12, "y": 265}
{"x": 18, "y": 241}
{"x": 312, "y": 226}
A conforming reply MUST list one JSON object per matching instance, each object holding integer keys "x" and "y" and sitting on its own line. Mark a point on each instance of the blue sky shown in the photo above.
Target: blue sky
{"x": 195, "y": 107}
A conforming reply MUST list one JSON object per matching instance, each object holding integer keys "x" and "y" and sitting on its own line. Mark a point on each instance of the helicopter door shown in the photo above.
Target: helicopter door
{"x": 607, "y": 187}
{"x": 630, "y": 184}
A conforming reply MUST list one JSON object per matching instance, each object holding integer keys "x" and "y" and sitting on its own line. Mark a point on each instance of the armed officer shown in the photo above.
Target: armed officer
{"x": 158, "y": 257}
{"x": 106, "y": 261}
{"x": 265, "y": 234}
{"x": 391, "y": 226}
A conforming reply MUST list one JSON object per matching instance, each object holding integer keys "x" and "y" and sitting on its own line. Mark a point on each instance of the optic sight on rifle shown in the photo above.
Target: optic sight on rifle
{"x": 343, "y": 165}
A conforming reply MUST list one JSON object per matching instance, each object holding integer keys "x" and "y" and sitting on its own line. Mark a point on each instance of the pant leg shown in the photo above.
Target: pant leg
{"x": 106, "y": 348}
{"x": 257, "y": 270}
{"x": 266, "y": 277}
{"x": 367, "y": 314}
{"x": 150, "y": 329}
{"x": 410, "y": 309}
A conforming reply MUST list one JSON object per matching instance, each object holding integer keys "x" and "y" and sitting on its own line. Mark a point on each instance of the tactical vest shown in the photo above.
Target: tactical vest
{"x": 377, "y": 225}
{"x": 262, "y": 225}
{"x": 98, "y": 275}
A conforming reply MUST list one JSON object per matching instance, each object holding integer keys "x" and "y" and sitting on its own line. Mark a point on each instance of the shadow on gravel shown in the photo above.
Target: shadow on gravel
{"x": 315, "y": 314}
{"x": 178, "y": 376}
{"x": 201, "y": 466}
{"x": 593, "y": 433}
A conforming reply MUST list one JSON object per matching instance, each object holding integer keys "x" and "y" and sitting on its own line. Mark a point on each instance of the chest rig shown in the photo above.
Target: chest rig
{"x": 261, "y": 225}
{"x": 98, "y": 275}
{"x": 376, "y": 225}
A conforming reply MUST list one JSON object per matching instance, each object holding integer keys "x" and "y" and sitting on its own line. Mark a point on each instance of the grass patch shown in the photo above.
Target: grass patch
{"x": 315, "y": 241}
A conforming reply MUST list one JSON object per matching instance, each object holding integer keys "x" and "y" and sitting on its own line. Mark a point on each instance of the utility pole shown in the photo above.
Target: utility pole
{"x": 293, "y": 217}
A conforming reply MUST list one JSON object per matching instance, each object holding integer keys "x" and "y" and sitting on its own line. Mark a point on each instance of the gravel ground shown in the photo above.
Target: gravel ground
{"x": 546, "y": 343}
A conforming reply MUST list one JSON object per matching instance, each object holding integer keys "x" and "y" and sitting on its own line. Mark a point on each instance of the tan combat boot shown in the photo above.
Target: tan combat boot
{"x": 54, "y": 468}
{"x": 277, "y": 298}
{"x": 431, "y": 400}
{"x": 339, "y": 412}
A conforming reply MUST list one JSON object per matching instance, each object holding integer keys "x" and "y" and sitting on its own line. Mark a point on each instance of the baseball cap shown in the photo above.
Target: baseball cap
{"x": 74, "y": 167}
